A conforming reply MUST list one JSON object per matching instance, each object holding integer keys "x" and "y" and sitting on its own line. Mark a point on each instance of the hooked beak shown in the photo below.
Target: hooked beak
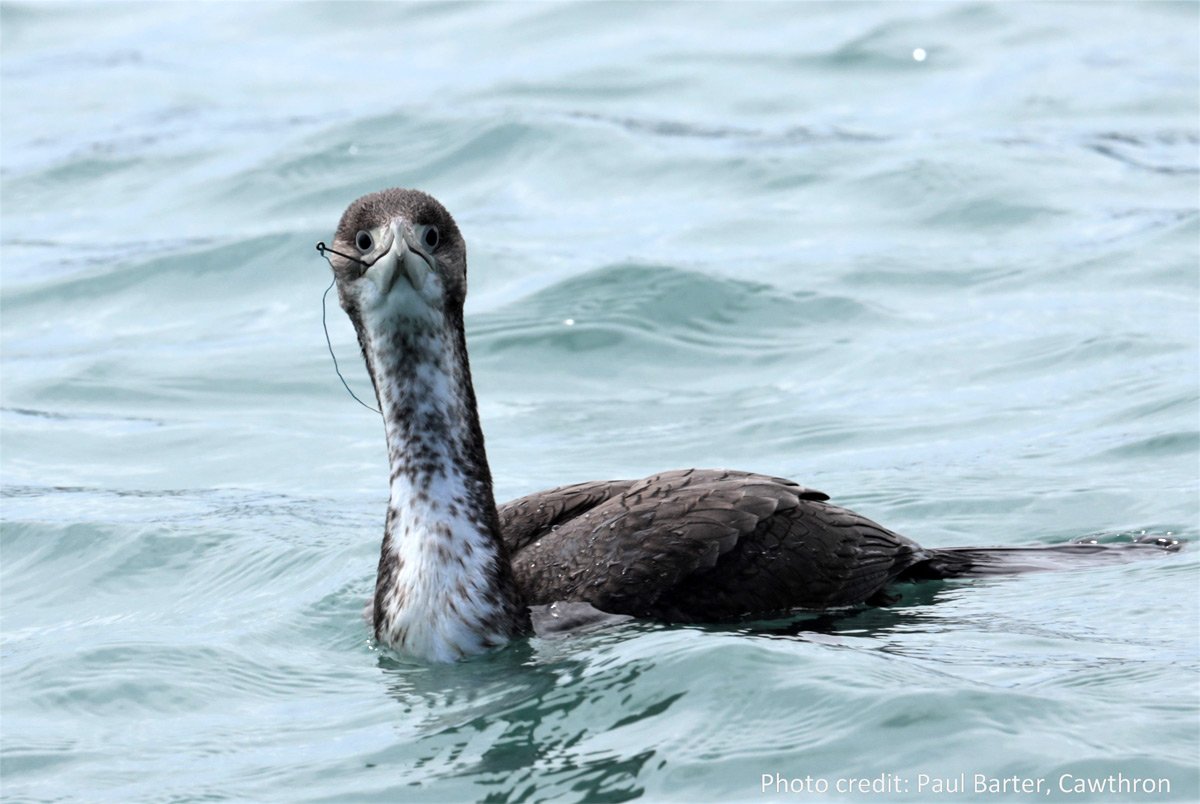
{"x": 403, "y": 258}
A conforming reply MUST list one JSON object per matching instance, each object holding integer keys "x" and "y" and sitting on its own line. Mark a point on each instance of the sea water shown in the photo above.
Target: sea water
{"x": 938, "y": 261}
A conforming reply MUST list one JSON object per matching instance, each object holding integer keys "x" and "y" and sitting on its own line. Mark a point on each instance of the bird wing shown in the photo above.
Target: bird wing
{"x": 697, "y": 545}
{"x": 811, "y": 555}
{"x": 528, "y": 518}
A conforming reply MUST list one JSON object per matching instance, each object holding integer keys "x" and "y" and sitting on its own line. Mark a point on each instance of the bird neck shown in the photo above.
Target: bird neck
{"x": 444, "y": 588}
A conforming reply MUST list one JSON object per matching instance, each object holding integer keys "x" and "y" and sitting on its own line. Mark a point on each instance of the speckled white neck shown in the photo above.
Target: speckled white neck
{"x": 444, "y": 588}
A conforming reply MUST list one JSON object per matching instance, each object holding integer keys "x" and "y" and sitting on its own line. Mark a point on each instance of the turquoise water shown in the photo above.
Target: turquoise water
{"x": 959, "y": 294}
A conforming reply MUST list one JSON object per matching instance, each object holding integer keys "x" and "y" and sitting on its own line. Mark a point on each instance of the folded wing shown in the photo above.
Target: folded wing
{"x": 698, "y": 545}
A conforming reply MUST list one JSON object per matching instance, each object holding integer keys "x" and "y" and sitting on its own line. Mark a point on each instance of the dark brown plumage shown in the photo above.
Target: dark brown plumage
{"x": 712, "y": 545}
{"x": 698, "y": 545}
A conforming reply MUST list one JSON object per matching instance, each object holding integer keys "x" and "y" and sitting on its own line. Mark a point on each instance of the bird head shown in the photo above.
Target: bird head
{"x": 409, "y": 260}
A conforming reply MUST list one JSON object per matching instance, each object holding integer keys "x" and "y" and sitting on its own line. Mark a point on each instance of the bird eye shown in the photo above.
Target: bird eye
{"x": 431, "y": 238}
{"x": 364, "y": 241}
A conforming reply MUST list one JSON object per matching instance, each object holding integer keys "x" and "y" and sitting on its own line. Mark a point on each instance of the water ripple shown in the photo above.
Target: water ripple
{"x": 621, "y": 305}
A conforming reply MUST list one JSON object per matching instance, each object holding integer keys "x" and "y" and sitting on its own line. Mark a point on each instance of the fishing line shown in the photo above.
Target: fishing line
{"x": 321, "y": 249}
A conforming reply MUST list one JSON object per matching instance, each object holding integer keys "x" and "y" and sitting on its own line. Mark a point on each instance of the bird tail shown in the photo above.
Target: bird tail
{"x": 977, "y": 562}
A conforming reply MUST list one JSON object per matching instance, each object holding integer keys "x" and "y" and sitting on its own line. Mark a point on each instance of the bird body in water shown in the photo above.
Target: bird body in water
{"x": 457, "y": 575}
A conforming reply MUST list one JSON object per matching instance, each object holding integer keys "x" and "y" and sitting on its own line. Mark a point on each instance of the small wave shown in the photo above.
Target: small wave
{"x": 685, "y": 129}
{"x": 621, "y": 305}
{"x": 1171, "y": 152}
{"x": 1184, "y": 442}
{"x": 1040, "y": 354}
